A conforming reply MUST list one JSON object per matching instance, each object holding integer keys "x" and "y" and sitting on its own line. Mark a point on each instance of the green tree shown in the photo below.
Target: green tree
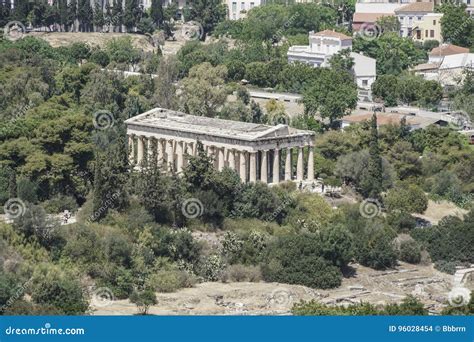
{"x": 143, "y": 300}
{"x": 372, "y": 181}
{"x": 203, "y": 91}
{"x": 409, "y": 198}
{"x": 456, "y": 25}
{"x": 389, "y": 23}
{"x": 333, "y": 95}
{"x": 156, "y": 12}
{"x": 207, "y": 13}
{"x": 60, "y": 290}
{"x": 296, "y": 259}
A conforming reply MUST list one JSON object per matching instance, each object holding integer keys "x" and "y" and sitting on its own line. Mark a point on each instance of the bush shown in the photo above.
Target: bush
{"x": 171, "y": 280}
{"x": 143, "y": 300}
{"x": 59, "y": 290}
{"x": 212, "y": 268}
{"x": 410, "y": 251}
{"x": 451, "y": 240}
{"x": 410, "y": 199}
{"x": 449, "y": 267}
{"x": 409, "y": 306}
{"x": 374, "y": 248}
{"x": 8, "y": 287}
{"x": 297, "y": 259}
{"x": 240, "y": 272}
{"x": 59, "y": 204}
{"x": 27, "y": 190}
{"x": 401, "y": 221}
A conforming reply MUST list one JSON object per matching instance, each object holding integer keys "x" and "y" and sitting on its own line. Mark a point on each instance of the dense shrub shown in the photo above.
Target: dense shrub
{"x": 410, "y": 306}
{"x": 240, "y": 272}
{"x": 171, "y": 280}
{"x": 410, "y": 252}
{"x": 60, "y": 290}
{"x": 451, "y": 240}
{"x": 59, "y": 204}
{"x": 374, "y": 248}
{"x": 407, "y": 198}
{"x": 297, "y": 259}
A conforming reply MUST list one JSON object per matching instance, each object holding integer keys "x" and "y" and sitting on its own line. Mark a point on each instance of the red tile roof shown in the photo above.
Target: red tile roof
{"x": 334, "y": 34}
{"x": 448, "y": 49}
{"x": 368, "y": 17}
{"x": 416, "y": 7}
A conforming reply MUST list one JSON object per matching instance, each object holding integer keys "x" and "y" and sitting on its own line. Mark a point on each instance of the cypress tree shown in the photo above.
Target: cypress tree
{"x": 156, "y": 12}
{"x": 371, "y": 183}
{"x": 12, "y": 188}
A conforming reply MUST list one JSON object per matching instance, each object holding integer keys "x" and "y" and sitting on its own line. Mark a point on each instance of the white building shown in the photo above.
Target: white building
{"x": 256, "y": 152}
{"x": 238, "y": 8}
{"x": 411, "y": 14}
{"x": 387, "y": 7}
{"x": 446, "y": 64}
{"x": 323, "y": 45}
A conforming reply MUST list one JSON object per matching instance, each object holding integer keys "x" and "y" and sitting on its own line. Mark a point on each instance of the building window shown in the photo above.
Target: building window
{"x": 419, "y": 18}
{"x": 234, "y": 7}
{"x": 252, "y": 4}
{"x": 434, "y": 22}
{"x": 365, "y": 83}
{"x": 432, "y": 33}
{"x": 426, "y": 33}
{"x": 409, "y": 32}
{"x": 242, "y": 6}
{"x": 410, "y": 20}
{"x": 418, "y": 34}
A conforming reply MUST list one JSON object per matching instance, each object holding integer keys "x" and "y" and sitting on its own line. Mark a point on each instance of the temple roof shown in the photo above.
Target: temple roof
{"x": 182, "y": 122}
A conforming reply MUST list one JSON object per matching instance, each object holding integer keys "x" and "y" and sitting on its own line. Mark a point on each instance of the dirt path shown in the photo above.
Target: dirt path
{"x": 376, "y": 287}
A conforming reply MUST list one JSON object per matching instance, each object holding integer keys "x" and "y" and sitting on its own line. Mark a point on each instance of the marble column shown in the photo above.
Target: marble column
{"x": 231, "y": 159}
{"x": 131, "y": 149}
{"x": 149, "y": 151}
{"x": 311, "y": 163}
{"x": 140, "y": 149}
{"x": 160, "y": 148}
{"x": 253, "y": 167}
{"x": 243, "y": 166}
{"x": 180, "y": 156}
{"x": 276, "y": 166}
{"x": 221, "y": 159}
{"x": 288, "y": 164}
{"x": 299, "y": 165}
{"x": 264, "y": 167}
{"x": 169, "y": 155}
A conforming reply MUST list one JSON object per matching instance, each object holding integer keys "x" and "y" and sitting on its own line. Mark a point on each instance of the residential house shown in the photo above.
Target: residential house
{"x": 238, "y": 8}
{"x": 323, "y": 45}
{"x": 446, "y": 64}
{"x": 411, "y": 15}
{"x": 383, "y": 119}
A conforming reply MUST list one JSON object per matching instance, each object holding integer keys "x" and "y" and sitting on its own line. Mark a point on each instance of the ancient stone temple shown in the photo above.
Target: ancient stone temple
{"x": 257, "y": 152}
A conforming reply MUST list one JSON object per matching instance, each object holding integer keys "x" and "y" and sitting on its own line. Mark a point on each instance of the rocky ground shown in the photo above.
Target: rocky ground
{"x": 377, "y": 287}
